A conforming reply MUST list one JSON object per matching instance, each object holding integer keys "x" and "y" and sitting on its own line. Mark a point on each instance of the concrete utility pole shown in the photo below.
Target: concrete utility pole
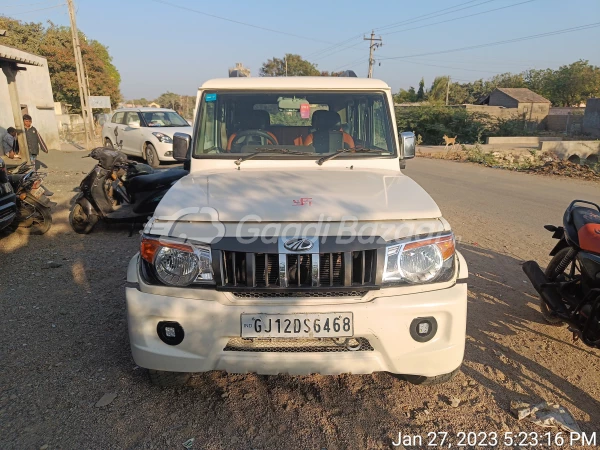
{"x": 447, "y": 90}
{"x": 84, "y": 94}
{"x": 375, "y": 43}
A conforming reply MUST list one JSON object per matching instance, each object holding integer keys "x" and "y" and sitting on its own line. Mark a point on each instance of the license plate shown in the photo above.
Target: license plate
{"x": 298, "y": 325}
{"x": 38, "y": 192}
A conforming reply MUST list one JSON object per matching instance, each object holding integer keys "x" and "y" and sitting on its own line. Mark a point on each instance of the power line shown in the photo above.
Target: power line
{"x": 507, "y": 41}
{"x": 458, "y": 18}
{"x": 445, "y": 67}
{"x": 412, "y": 20}
{"x": 39, "y": 9}
{"x": 348, "y": 64}
{"x": 214, "y": 16}
{"x": 436, "y": 23}
{"x": 434, "y": 14}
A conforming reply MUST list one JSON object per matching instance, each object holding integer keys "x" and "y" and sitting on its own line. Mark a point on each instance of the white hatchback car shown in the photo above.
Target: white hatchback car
{"x": 145, "y": 132}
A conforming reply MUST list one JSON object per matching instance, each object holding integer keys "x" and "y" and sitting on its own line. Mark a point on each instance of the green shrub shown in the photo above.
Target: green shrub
{"x": 433, "y": 122}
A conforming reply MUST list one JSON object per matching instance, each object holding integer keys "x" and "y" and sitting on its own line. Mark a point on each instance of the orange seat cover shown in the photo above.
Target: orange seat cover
{"x": 589, "y": 237}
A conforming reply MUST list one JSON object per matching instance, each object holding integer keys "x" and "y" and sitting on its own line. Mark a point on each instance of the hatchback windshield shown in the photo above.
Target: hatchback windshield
{"x": 294, "y": 123}
{"x": 164, "y": 119}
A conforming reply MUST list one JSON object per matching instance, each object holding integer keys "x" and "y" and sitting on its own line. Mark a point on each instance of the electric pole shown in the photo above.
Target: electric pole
{"x": 375, "y": 43}
{"x": 447, "y": 90}
{"x": 84, "y": 93}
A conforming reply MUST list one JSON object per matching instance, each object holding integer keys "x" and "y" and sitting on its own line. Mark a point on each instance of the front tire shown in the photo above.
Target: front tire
{"x": 39, "y": 218}
{"x": 80, "y": 221}
{"x": 546, "y": 312}
{"x": 152, "y": 156}
{"x": 168, "y": 379}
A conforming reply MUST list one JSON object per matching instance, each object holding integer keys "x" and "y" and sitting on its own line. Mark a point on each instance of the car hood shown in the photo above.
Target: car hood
{"x": 300, "y": 195}
{"x": 170, "y": 131}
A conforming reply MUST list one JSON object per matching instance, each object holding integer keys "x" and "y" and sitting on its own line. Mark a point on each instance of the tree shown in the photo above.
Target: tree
{"x": 570, "y": 85}
{"x": 404, "y": 96}
{"x": 421, "y": 91}
{"x": 437, "y": 93}
{"x": 55, "y": 44}
{"x": 296, "y": 66}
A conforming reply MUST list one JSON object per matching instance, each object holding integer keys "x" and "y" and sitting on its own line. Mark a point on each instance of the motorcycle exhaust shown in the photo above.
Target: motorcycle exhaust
{"x": 540, "y": 283}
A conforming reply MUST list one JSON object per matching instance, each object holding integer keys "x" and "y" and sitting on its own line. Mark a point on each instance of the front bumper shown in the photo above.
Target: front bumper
{"x": 164, "y": 150}
{"x": 209, "y": 323}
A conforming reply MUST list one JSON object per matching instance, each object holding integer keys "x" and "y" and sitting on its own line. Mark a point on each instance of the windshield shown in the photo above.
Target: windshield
{"x": 164, "y": 119}
{"x": 317, "y": 124}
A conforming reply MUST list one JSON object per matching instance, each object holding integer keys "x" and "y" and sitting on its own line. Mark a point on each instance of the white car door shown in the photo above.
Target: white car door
{"x": 132, "y": 134}
{"x": 108, "y": 130}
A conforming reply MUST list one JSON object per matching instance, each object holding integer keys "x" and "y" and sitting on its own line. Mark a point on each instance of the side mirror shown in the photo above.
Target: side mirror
{"x": 181, "y": 146}
{"x": 407, "y": 145}
{"x": 134, "y": 125}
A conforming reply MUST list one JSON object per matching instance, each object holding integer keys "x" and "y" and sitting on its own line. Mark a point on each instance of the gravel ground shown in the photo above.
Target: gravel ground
{"x": 65, "y": 346}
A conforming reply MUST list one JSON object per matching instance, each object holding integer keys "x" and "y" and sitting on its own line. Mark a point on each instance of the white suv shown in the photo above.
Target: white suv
{"x": 296, "y": 244}
{"x": 145, "y": 132}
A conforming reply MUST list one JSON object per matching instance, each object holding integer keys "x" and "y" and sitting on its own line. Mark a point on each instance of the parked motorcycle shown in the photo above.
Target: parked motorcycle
{"x": 570, "y": 286}
{"x": 33, "y": 205}
{"x": 119, "y": 190}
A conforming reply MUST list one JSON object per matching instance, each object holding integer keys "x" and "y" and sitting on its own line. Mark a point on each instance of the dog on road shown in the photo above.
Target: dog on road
{"x": 450, "y": 141}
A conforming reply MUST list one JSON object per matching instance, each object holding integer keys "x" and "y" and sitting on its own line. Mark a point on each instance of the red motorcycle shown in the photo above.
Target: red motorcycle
{"x": 570, "y": 286}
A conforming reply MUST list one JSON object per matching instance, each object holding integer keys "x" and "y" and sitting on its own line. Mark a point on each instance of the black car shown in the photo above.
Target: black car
{"x": 8, "y": 207}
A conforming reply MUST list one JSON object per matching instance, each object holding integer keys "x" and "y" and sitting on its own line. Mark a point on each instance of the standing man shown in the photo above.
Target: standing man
{"x": 34, "y": 140}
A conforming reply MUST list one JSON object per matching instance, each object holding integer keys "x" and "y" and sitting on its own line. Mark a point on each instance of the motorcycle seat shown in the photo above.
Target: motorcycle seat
{"x": 587, "y": 224}
{"x": 154, "y": 181}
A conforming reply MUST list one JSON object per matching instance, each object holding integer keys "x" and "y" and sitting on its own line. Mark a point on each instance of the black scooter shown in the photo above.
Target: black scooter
{"x": 119, "y": 190}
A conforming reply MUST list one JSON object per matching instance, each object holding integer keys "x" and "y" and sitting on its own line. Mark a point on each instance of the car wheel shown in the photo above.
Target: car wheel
{"x": 152, "y": 156}
{"x": 108, "y": 143}
{"x": 427, "y": 381}
{"x": 168, "y": 379}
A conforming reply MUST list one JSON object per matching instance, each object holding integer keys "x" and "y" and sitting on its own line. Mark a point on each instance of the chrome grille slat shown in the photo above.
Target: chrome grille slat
{"x": 297, "y": 270}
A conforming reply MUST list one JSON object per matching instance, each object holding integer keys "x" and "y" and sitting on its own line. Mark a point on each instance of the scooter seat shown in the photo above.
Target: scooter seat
{"x": 154, "y": 181}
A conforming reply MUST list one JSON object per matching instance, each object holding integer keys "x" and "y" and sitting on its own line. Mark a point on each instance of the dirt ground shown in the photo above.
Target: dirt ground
{"x": 64, "y": 343}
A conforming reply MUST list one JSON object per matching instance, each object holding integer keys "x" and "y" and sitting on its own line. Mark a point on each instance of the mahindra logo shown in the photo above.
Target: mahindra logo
{"x": 597, "y": 231}
{"x": 298, "y": 244}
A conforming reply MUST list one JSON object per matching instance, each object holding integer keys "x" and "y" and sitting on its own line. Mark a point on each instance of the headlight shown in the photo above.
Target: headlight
{"x": 176, "y": 263}
{"x": 421, "y": 261}
{"x": 163, "y": 137}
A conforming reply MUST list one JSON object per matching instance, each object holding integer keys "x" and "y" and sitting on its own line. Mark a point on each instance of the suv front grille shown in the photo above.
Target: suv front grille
{"x": 282, "y": 293}
{"x": 295, "y": 270}
{"x": 287, "y": 345}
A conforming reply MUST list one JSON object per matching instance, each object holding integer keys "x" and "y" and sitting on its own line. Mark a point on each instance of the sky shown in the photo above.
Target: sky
{"x": 168, "y": 45}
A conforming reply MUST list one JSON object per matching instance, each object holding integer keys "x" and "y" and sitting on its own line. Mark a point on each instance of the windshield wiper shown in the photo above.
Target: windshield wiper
{"x": 283, "y": 151}
{"x": 320, "y": 161}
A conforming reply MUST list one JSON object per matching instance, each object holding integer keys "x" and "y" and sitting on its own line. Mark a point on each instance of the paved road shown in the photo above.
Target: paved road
{"x": 499, "y": 209}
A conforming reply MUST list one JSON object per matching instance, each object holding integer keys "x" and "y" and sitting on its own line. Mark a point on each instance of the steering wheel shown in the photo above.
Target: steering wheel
{"x": 255, "y": 133}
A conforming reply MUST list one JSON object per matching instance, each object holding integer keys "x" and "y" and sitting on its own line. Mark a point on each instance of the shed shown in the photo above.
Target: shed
{"x": 25, "y": 84}
{"x": 527, "y": 103}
